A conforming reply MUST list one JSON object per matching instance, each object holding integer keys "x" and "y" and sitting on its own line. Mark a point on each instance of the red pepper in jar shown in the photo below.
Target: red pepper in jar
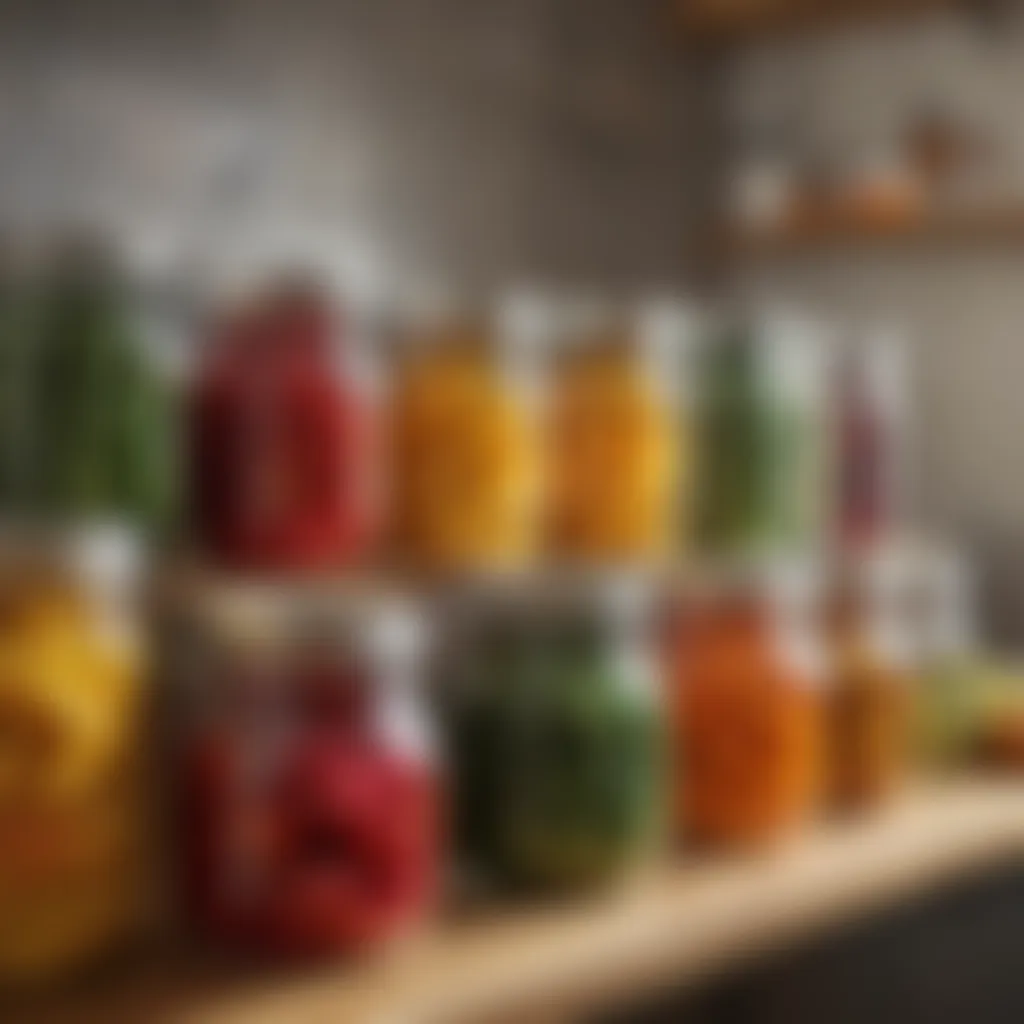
{"x": 281, "y": 444}
{"x": 319, "y": 839}
{"x": 870, "y": 454}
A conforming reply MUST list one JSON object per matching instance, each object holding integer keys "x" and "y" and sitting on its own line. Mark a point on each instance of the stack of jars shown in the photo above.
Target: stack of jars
{"x": 86, "y": 457}
{"x": 465, "y": 469}
{"x": 584, "y": 717}
{"x": 490, "y": 452}
{"x": 309, "y": 806}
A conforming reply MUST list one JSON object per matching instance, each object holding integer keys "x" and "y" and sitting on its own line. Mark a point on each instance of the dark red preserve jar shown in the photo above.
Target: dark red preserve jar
{"x": 282, "y": 439}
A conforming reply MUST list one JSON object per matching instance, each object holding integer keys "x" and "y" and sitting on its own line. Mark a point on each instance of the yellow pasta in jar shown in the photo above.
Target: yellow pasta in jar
{"x": 614, "y": 457}
{"x": 465, "y": 463}
{"x": 71, "y": 834}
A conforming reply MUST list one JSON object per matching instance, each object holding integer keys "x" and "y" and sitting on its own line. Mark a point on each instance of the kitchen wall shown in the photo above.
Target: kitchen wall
{"x": 962, "y": 305}
{"x": 480, "y": 139}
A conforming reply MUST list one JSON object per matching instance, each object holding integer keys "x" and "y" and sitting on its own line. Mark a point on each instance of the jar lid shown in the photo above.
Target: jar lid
{"x": 381, "y": 626}
{"x": 104, "y": 557}
{"x": 396, "y": 636}
{"x": 785, "y": 581}
{"x": 668, "y": 323}
{"x": 108, "y": 557}
{"x": 433, "y": 315}
{"x": 621, "y": 597}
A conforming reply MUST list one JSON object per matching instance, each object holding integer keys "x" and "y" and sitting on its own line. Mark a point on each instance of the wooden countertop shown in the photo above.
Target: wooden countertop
{"x": 678, "y": 926}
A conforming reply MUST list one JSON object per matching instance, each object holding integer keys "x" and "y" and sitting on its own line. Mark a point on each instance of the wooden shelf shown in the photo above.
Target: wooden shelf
{"x": 994, "y": 226}
{"x": 676, "y": 928}
{"x": 727, "y": 22}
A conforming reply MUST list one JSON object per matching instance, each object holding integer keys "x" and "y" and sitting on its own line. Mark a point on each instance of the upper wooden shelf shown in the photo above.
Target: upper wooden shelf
{"x": 948, "y": 229}
{"x": 552, "y": 962}
{"x": 726, "y": 22}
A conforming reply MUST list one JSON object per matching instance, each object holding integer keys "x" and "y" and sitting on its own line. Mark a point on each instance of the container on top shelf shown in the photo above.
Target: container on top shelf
{"x": 869, "y": 399}
{"x": 464, "y": 430}
{"x": 746, "y": 675}
{"x": 86, "y": 424}
{"x": 283, "y": 437}
{"x": 74, "y": 876}
{"x": 761, "y": 449}
{"x": 309, "y": 801}
{"x": 613, "y": 439}
{"x": 553, "y": 711}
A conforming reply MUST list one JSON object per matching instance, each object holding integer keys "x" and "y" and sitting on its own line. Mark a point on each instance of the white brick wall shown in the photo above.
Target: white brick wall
{"x": 484, "y": 138}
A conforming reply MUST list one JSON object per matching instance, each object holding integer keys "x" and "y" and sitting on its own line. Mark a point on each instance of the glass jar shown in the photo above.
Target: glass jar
{"x": 612, "y": 421}
{"x": 309, "y": 808}
{"x": 870, "y": 441}
{"x": 86, "y": 425}
{"x": 73, "y": 862}
{"x": 870, "y": 692}
{"x": 747, "y": 711}
{"x": 760, "y": 443}
{"x": 282, "y": 441}
{"x": 466, "y": 474}
{"x": 962, "y": 687}
{"x": 556, "y": 737}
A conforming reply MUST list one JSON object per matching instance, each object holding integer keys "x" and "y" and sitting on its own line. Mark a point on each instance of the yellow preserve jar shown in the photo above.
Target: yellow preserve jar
{"x": 72, "y": 859}
{"x": 465, "y": 466}
{"x": 613, "y": 448}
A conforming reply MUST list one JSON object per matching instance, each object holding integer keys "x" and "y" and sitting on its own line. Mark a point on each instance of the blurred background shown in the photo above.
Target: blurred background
{"x": 862, "y": 163}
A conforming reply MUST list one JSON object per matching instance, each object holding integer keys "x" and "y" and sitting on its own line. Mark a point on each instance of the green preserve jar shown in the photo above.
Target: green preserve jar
{"x": 86, "y": 409}
{"x": 555, "y": 735}
{"x": 760, "y": 445}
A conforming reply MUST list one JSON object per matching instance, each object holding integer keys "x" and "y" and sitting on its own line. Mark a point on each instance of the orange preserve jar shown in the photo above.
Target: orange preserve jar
{"x": 747, "y": 715}
{"x": 465, "y": 453}
{"x": 870, "y": 696}
{"x": 612, "y": 443}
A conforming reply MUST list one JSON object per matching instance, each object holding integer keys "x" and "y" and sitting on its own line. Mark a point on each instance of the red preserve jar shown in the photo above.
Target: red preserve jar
{"x": 871, "y": 443}
{"x": 282, "y": 441}
{"x": 309, "y": 807}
